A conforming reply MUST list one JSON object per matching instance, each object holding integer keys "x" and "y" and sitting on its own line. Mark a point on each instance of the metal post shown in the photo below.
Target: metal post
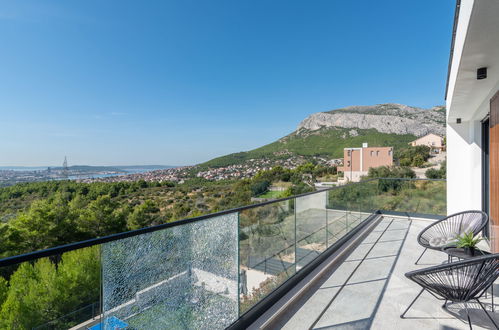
{"x": 412, "y": 303}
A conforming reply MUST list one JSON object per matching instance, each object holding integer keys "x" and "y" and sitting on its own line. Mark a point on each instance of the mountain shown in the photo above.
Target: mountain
{"x": 325, "y": 134}
{"x": 385, "y": 118}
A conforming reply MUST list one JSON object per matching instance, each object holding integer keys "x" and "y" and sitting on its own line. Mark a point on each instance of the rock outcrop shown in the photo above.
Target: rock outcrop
{"x": 385, "y": 118}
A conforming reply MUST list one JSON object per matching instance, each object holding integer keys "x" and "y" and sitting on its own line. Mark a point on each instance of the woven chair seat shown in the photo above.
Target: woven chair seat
{"x": 446, "y": 231}
{"x": 459, "y": 281}
{"x": 439, "y": 242}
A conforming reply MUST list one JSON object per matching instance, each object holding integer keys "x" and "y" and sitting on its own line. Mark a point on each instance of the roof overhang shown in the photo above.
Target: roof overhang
{"x": 475, "y": 45}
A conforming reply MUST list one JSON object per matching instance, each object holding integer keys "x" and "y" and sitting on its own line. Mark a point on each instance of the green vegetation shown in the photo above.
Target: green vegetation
{"x": 428, "y": 197}
{"x": 441, "y": 173}
{"x": 324, "y": 142}
{"x": 412, "y": 156}
{"x": 46, "y": 290}
{"x": 468, "y": 240}
{"x": 416, "y": 196}
{"x": 40, "y": 215}
{"x": 273, "y": 194}
{"x": 391, "y": 172}
{"x": 45, "y": 214}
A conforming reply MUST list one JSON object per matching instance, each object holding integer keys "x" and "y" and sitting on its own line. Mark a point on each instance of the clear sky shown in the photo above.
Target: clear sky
{"x": 180, "y": 82}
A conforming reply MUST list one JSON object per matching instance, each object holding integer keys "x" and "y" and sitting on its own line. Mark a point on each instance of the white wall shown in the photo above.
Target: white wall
{"x": 464, "y": 160}
{"x": 354, "y": 176}
{"x": 464, "y": 166}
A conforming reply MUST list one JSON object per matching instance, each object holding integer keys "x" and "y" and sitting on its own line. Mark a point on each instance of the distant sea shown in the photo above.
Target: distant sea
{"x": 132, "y": 169}
{"x": 23, "y": 168}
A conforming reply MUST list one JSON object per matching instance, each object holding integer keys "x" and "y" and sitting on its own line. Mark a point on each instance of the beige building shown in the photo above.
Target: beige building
{"x": 435, "y": 142}
{"x": 358, "y": 161}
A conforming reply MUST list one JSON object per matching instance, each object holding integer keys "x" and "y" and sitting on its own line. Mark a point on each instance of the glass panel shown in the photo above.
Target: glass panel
{"x": 415, "y": 196}
{"x": 267, "y": 250}
{"x": 311, "y": 221}
{"x": 366, "y": 191}
{"x": 202, "y": 274}
{"x": 183, "y": 277}
{"x": 336, "y": 215}
{"x": 348, "y": 206}
{"x": 57, "y": 292}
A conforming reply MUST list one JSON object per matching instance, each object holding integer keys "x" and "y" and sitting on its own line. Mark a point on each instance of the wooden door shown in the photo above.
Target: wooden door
{"x": 494, "y": 172}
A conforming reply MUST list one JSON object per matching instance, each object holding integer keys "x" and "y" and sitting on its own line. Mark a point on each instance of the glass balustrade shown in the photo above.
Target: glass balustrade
{"x": 204, "y": 273}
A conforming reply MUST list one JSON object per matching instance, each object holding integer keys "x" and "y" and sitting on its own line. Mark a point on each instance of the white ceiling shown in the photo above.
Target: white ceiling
{"x": 481, "y": 49}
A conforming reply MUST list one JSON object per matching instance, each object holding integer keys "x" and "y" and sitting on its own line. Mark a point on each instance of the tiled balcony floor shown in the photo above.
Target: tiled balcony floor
{"x": 369, "y": 289}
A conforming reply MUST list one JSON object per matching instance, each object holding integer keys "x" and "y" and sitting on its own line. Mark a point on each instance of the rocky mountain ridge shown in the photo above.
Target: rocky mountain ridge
{"x": 387, "y": 118}
{"x": 324, "y": 135}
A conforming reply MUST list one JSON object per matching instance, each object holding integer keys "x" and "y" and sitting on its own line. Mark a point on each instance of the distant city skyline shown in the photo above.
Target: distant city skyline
{"x": 181, "y": 82}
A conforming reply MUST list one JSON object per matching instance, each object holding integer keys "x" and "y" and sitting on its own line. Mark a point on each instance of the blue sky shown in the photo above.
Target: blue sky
{"x": 180, "y": 82}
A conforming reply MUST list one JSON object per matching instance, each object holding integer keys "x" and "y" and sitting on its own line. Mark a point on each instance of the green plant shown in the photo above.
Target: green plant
{"x": 467, "y": 240}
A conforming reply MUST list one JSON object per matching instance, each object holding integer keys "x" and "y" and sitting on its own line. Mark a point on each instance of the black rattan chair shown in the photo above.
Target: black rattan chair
{"x": 461, "y": 281}
{"x": 445, "y": 232}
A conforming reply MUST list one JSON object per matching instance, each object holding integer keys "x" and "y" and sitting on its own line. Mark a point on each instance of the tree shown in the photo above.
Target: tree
{"x": 143, "y": 215}
{"x": 418, "y": 160}
{"x": 103, "y": 216}
{"x": 78, "y": 279}
{"x": 391, "y": 172}
{"x": 306, "y": 168}
{"x": 32, "y": 298}
{"x": 42, "y": 293}
{"x": 37, "y": 228}
{"x": 413, "y": 156}
{"x": 4, "y": 289}
{"x": 432, "y": 173}
{"x": 300, "y": 188}
{"x": 260, "y": 187}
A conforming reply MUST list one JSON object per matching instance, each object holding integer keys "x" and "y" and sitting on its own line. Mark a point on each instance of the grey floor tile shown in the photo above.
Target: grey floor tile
{"x": 354, "y": 303}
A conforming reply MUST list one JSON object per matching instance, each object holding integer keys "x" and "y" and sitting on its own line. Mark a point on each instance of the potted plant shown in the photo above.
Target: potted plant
{"x": 468, "y": 242}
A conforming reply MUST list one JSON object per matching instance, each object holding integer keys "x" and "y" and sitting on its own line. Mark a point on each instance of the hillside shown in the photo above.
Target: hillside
{"x": 385, "y": 118}
{"x": 325, "y": 134}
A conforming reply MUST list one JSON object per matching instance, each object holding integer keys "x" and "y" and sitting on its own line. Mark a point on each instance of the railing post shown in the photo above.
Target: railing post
{"x": 295, "y": 202}
{"x": 325, "y": 208}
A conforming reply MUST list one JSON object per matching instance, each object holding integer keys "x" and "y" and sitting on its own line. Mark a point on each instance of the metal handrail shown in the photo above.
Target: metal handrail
{"x": 114, "y": 237}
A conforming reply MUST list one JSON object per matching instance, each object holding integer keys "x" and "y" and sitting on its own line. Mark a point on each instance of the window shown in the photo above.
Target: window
{"x": 377, "y": 153}
{"x": 372, "y": 153}
{"x": 348, "y": 153}
{"x": 390, "y": 152}
{"x": 348, "y": 164}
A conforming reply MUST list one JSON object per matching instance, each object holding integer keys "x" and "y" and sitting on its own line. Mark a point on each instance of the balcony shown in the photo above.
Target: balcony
{"x": 328, "y": 259}
{"x": 365, "y": 288}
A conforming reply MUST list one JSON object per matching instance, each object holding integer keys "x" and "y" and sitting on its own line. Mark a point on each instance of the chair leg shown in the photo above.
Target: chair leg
{"x": 492, "y": 294}
{"x": 468, "y": 315}
{"x": 420, "y": 256}
{"x": 445, "y": 304}
{"x": 490, "y": 318}
{"x": 412, "y": 303}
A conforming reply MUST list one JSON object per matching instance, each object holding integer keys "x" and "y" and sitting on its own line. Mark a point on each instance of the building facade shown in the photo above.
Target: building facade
{"x": 434, "y": 141}
{"x": 358, "y": 161}
{"x": 472, "y": 100}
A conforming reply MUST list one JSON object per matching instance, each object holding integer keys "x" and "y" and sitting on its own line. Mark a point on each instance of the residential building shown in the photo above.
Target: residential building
{"x": 358, "y": 161}
{"x": 473, "y": 112}
{"x": 434, "y": 141}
